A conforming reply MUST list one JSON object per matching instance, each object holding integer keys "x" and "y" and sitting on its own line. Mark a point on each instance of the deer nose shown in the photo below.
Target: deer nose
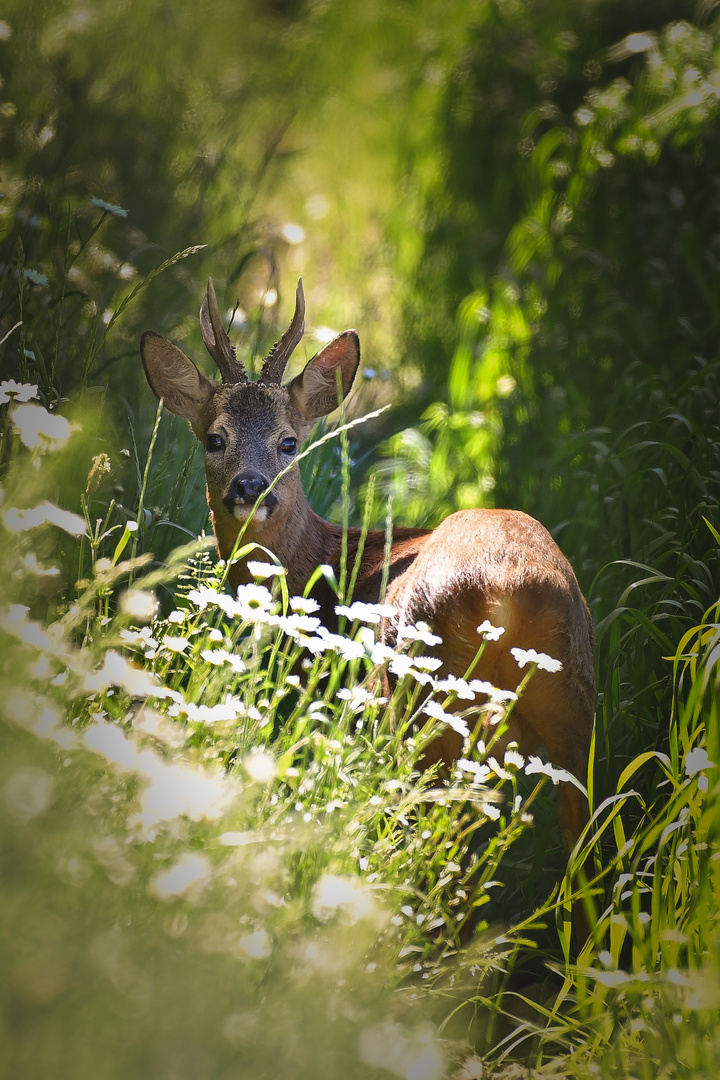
{"x": 245, "y": 488}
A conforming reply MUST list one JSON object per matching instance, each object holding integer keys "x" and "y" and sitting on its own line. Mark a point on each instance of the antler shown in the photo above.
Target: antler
{"x": 217, "y": 342}
{"x": 274, "y": 364}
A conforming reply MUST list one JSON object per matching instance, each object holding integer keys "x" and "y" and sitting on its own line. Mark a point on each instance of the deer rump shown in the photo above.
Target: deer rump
{"x": 495, "y": 565}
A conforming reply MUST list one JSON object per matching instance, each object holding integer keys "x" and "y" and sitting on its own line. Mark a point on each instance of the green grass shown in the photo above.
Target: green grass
{"x": 217, "y": 797}
{"x": 219, "y": 854}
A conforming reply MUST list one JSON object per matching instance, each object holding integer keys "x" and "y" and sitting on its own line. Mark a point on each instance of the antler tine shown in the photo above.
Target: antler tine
{"x": 276, "y": 360}
{"x": 217, "y": 342}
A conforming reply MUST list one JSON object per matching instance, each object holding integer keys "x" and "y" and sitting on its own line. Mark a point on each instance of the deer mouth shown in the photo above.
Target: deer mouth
{"x": 242, "y": 510}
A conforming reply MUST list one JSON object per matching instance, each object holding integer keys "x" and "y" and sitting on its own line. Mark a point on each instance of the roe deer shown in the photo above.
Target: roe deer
{"x": 499, "y": 565}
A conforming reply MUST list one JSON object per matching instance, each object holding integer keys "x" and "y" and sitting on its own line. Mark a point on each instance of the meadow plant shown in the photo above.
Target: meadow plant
{"x": 225, "y": 801}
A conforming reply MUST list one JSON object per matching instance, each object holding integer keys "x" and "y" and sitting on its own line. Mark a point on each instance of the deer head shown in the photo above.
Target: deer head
{"x": 251, "y": 431}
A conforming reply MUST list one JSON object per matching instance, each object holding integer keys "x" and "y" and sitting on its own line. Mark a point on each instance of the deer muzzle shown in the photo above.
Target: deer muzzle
{"x": 245, "y": 490}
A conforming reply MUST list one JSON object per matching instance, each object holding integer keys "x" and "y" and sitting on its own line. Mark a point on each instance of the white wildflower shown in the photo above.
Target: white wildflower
{"x": 45, "y": 513}
{"x": 427, "y": 663}
{"x": 296, "y": 625}
{"x": 415, "y": 666}
{"x": 490, "y": 632}
{"x": 254, "y": 597}
{"x": 254, "y": 604}
{"x": 251, "y": 611}
{"x": 379, "y": 653}
{"x": 459, "y": 687}
{"x": 497, "y": 697}
{"x": 315, "y": 645}
{"x": 420, "y": 632}
{"x": 498, "y": 769}
{"x": 222, "y": 656}
{"x": 177, "y": 617}
{"x": 535, "y": 765}
{"x": 393, "y": 785}
{"x": 304, "y": 605}
{"x": 264, "y": 570}
{"x": 529, "y": 656}
{"x": 358, "y": 697}
{"x": 431, "y": 708}
{"x": 513, "y": 758}
{"x": 140, "y": 637}
{"x": 40, "y": 429}
{"x": 348, "y": 649}
{"x": 458, "y": 725}
{"x": 175, "y": 644}
{"x": 202, "y": 596}
{"x": 369, "y": 613}
{"x": 479, "y": 773}
{"x": 9, "y": 389}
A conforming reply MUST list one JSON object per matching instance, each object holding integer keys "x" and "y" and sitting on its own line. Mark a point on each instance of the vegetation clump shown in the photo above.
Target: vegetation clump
{"x": 220, "y": 853}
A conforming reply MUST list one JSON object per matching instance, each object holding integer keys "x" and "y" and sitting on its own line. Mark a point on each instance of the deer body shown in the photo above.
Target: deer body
{"x": 499, "y": 565}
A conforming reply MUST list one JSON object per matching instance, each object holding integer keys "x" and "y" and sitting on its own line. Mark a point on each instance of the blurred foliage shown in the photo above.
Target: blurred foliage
{"x": 516, "y": 203}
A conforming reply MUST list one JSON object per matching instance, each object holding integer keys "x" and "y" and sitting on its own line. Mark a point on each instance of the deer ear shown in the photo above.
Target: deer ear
{"x": 315, "y": 390}
{"x": 174, "y": 378}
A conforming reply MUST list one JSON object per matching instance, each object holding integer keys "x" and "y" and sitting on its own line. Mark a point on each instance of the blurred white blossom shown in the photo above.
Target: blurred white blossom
{"x": 260, "y": 766}
{"x": 349, "y": 896}
{"x": 696, "y": 760}
{"x": 116, "y": 670}
{"x": 17, "y": 520}
{"x": 210, "y": 714}
{"x": 172, "y": 789}
{"x": 40, "y": 429}
{"x": 189, "y": 874}
{"x": 257, "y": 945}
{"x": 139, "y": 604}
{"x": 28, "y": 792}
{"x": 410, "y": 1054}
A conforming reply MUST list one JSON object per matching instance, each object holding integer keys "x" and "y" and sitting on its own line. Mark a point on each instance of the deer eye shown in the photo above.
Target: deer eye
{"x": 213, "y": 444}
{"x": 288, "y": 446}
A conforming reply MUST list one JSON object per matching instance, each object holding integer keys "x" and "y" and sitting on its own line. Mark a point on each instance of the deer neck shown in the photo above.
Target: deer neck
{"x": 300, "y": 539}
